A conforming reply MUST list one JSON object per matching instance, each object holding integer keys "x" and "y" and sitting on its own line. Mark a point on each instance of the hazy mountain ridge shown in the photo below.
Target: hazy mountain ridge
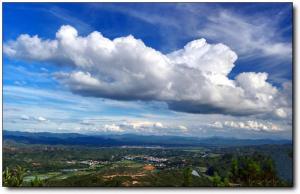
{"x": 130, "y": 140}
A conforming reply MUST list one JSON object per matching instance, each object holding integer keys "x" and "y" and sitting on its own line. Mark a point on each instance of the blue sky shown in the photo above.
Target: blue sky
{"x": 67, "y": 87}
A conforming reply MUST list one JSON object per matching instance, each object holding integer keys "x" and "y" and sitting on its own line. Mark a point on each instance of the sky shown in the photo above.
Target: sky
{"x": 184, "y": 69}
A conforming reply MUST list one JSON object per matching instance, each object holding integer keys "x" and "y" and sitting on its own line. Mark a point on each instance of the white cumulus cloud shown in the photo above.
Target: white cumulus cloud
{"x": 25, "y": 117}
{"x": 143, "y": 124}
{"x": 41, "y": 119}
{"x": 249, "y": 125}
{"x": 112, "y": 128}
{"x": 193, "y": 79}
{"x": 183, "y": 128}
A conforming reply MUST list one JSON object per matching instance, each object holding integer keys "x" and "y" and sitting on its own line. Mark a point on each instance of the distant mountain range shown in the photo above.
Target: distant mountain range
{"x": 130, "y": 140}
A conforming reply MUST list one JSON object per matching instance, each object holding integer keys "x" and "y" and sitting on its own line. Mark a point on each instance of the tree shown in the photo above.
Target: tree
{"x": 226, "y": 182}
{"x": 234, "y": 172}
{"x": 7, "y": 177}
{"x": 13, "y": 177}
{"x": 217, "y": 180}
{"x": 210, "y": 171}
{"x": 254, "y": 172}
{"x": 187, "y": 177}
{"x": 269, "y": 173}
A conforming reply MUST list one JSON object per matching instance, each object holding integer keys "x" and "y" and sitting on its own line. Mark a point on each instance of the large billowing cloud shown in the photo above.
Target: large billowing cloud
{"x": 193, "y": 79}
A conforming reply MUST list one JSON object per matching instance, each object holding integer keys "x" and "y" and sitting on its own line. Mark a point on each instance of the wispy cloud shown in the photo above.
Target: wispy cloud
{"x": 249, "y": 36}
{"x": 69, "y": 18}
{"x": 155, "y": 15}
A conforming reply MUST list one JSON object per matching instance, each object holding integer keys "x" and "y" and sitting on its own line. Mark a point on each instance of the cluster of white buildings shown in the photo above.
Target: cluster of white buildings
{"x": 155, "y": 159}
{"x": 87, "y": 162}
{"x": 147, "y": 158}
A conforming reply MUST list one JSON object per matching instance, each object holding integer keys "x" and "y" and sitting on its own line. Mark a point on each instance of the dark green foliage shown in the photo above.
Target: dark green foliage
{"x": 13, "y": 177}
{"x": 115, "y": 182}
{"x": 254, "y": 171}
{"x": 210, "y": 171}
{"x": 219, "y": 181}
{"x": 187, "y": 177}
{"x": 36, "y": 182}
{"x": 77, "y": 181}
